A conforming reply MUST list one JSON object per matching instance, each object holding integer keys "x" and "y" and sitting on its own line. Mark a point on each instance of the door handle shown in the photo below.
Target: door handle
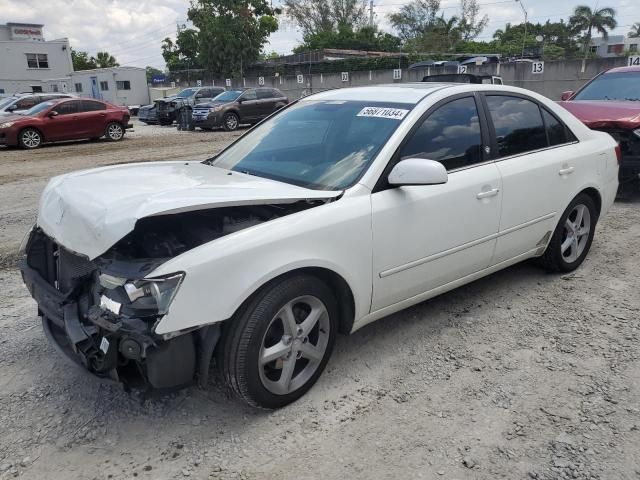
{"x": 566, "y": 171}
{"x": 488, "y": 193}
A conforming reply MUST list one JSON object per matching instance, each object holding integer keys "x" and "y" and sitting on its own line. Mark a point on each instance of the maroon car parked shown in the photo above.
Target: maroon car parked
{"x": 610, "y": 102}
{"x": 59, "y": 120}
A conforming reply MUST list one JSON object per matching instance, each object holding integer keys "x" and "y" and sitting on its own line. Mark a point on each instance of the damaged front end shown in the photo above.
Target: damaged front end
{"x": 102, "y": 313}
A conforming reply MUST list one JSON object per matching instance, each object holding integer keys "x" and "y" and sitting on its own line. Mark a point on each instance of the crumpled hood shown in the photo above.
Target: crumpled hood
{"x": 605, "y": 113}
{"x": 89, "y": 211}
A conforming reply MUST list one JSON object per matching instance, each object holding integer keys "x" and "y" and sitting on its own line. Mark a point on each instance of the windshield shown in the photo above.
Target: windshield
{"x": 228, "y": 96}
{"x": 6, "y": 101}
{"x": 324, "y": 145}
{"x": 187, "y": 92}
{"x": 39, "y": 108}
{"x": 612, "y": 86}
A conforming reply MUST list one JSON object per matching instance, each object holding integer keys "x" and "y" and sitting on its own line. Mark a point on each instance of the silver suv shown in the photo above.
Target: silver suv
{"x": 22, "y": 103}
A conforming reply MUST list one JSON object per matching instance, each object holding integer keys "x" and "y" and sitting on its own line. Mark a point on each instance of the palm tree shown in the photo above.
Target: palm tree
{"x": 635, "y": 30}
{"x": 449, "y": 29}
{"x": 585, "y": 20}
{"x": 105, "y": 60}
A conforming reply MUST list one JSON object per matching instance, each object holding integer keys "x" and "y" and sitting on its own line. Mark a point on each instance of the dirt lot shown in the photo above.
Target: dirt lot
{"x": 519, "y": 375}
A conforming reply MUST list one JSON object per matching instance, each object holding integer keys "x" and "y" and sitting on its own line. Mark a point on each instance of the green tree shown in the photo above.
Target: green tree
{"x": 151, "y": 72}
{"x": 321, "y": 16}
{"x": 635, "y": 30}
{"x": 365, "y": 38}
{"x": 82, "y": 61}
{"x": 183, "y": 53}
{"x": 414, "y": 19}
{"x": 471, "y": 24}
{"x": 586, "y": 20}
{"x": 231, "y": 33}
{"x": 105, "y": 60}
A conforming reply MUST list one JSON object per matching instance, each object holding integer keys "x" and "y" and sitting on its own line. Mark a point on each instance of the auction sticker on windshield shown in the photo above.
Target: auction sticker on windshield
{"x": 381, "y": 112}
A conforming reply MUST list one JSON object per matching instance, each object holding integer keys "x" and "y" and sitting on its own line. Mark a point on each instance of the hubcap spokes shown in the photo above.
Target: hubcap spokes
{"x": 231, "y": 122}
{"x": 294, "y": 345}
{"x": 576, "y": 233}
{"x": 115, "y": 132}
{"x": 31, "y": 139}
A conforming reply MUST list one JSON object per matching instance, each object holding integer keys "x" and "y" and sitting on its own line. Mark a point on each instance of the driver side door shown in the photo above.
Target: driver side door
{"x": 425, "y": 237}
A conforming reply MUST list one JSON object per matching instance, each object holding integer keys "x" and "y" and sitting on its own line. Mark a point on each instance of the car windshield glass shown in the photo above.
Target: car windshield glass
{"x": 323, "y": 145}
{"x": 39, "y": 108}
{"x": 612, "y": 86}
{"x": 6, "y": 101}
{"x": 186, "y": 93}
{"x": 228, "y": 96}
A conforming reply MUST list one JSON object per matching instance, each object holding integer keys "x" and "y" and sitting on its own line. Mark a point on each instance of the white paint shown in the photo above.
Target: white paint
{"x": 397, "y": 74}
{"x": 261, "y": 81}
{"x": 300, "y": 78}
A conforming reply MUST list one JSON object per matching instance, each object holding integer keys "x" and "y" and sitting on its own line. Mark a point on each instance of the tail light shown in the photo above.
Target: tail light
{"x": 618, "y": 154}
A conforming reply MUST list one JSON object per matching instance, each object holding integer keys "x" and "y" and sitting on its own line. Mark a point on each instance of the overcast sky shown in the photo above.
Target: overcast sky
{"x": 132, "y": 30}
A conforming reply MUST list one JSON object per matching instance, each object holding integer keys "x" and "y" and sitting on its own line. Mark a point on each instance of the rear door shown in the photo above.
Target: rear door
{"x": 66, "y": 125}
{"x": 93, "y": 117}
{"x": 267, "y": 101}
{"x": 249, "y": 105}
{"x": 537, "y": 157}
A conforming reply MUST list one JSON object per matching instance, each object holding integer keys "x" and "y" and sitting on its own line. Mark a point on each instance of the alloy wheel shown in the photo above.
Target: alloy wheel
{"x": 31, "y": 139}
{"x": 231, "y": 122}
{"x": 576, "y": 233}
{"x": 114, "y": 131}
{"x": 294, "y": 345}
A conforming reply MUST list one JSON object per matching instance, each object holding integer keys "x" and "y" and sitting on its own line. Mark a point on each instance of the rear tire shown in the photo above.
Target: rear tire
{"x": 279, "y": 342}
{"x": 572, "y": 237}
{"x": 114, "y": 132}
{"x": 30, "y": 139}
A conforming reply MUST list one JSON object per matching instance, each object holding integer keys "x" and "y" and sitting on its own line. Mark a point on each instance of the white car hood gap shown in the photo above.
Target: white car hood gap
{"x": 89, "y": 211}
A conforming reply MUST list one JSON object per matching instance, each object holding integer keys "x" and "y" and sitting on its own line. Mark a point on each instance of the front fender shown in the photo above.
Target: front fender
{"x": 222, "y": 274}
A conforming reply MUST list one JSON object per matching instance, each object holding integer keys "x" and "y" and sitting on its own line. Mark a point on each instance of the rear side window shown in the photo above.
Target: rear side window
{"x": 450, "y": 135}
{"x": 67, "y": 108}
{"x": 265, "y": 93}
{"x": 91, "y": 106}
{"x": 249, "y": 95}
{"x": 518, "y": 124}
{"x": 556, "y": 131}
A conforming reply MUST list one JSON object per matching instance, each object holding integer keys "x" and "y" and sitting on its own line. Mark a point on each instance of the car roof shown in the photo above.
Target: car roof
{"x": 410, "y": 93}
{"x": 623, "y": 69}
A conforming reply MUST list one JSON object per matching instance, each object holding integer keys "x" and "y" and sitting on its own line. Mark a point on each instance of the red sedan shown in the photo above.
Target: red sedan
{"x": 69, "y": 119}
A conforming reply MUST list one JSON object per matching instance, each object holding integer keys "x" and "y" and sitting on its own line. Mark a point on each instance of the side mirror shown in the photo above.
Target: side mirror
{"x": 240, "y": 100}
{"x": 12, "y": 108}
{"x": 53, "y": 113}
{"x": 566, "y": 95}
{"x": 417, "y": 171}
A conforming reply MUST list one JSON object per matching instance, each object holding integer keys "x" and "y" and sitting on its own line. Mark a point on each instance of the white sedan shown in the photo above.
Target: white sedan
{"x": 338, "y": 210}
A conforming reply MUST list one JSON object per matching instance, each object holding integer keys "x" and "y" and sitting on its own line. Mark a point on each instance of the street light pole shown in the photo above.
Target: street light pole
{"x": 524, "y": 39}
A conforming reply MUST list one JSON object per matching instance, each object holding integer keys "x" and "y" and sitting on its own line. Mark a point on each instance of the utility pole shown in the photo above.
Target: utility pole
{"x": 371, "y": 13}
{"x": 524, "y": 39}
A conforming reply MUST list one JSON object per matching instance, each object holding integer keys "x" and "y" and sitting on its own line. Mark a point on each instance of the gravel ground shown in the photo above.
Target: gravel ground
{"x": 519, "y": 375}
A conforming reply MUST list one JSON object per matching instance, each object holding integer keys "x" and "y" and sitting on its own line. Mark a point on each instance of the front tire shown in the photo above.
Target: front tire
{"x": 30, "y": 139}
{"x": 114, "y": 132}
{"x": 280, "y": 341}
{"x": 572, "y": 237}
{"x": 231, "y": 122}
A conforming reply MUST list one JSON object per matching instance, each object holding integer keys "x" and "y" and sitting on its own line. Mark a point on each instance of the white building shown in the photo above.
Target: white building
{"x": 27, "y": 60}
{"x": 614, "y": 46}
{"x": 117, "y": 85}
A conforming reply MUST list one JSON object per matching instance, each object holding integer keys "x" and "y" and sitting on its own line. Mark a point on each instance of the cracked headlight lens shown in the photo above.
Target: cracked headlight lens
{"x": 154, "y": 292}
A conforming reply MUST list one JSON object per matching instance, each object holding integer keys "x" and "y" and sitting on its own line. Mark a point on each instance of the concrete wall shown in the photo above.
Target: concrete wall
{"x": 15, "y": 76}
{"x": 557, "y": 77}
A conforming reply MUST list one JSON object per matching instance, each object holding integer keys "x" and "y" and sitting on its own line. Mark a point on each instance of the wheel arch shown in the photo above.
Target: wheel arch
{"x": 595, "y": 196}
{"x": 32, "y": 127}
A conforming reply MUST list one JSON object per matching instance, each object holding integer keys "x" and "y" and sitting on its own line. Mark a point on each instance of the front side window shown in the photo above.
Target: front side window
{"x": 318, "y": 144}
{"x": 41, "y": 107}
{"x": 187, "y": 92}
{"x": 123, "y": 85}
{"x": 518, "y": 124}
{"x": 450, "y": 135}
{"x": 612, "y": 86}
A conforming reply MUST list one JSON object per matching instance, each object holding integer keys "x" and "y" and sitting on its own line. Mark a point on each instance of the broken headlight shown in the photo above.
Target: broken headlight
{"x": 154, "y": 293}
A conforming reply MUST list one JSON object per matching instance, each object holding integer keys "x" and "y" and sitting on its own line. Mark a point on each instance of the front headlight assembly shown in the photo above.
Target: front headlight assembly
{"x": 6, "y": 124}
{"x": 637, "y": 132}
{"x": 155, "y": 293}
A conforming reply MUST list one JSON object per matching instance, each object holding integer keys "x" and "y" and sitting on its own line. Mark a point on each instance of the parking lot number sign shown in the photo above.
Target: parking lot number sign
{"x": 634, "y": 61}
{"x": 260, "y": 81}
{"x": 173, "y": 84}
{"x": 227, "y": 82}
{"x": 300, "y": 78}
{"x": 537, "y": 67}
{"x": 462, "y": 69}
{"x": 199, "y": 83}
{"x": 345, "y": 76}
{"x": 397, "y": 74}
